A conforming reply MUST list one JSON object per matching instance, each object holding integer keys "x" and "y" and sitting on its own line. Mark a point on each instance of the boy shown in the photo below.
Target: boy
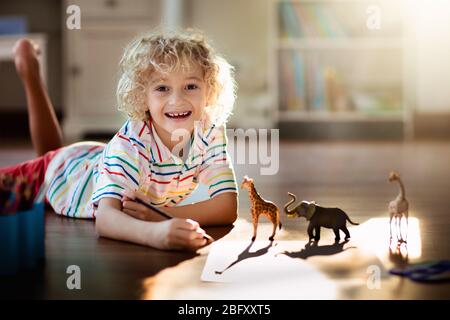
{"x": 178, "y": 95}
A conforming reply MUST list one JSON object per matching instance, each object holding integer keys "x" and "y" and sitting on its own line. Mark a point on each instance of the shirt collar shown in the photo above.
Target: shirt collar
{"x": 161, "y": 153}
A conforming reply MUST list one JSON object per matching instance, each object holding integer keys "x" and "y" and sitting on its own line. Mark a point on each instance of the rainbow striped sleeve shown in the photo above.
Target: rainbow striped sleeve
{"x": 216, "y": 170}
{"x": 120, "y": 165}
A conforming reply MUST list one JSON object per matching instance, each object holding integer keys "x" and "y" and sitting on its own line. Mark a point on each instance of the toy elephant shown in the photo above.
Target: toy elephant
{"x": 332, "y": 218}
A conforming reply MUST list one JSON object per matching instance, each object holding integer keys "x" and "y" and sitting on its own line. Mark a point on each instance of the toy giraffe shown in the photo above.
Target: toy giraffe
{"x": 399, "y": 206}
{"x": 261, "y": 207}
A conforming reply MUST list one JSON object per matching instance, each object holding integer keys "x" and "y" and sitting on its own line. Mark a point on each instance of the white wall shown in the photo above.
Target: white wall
{"x": 433, "y": 56}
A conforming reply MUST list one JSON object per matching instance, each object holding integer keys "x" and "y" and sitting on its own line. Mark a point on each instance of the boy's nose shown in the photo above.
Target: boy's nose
{"x": 176, "y": 97}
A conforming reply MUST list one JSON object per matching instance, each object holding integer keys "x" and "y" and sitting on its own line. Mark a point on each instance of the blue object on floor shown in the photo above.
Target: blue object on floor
{"x": 429, "y": 272}
{"x": 13, "y": 25}
{"x": 22, "y": 240}
{"x": 9, "y": 244}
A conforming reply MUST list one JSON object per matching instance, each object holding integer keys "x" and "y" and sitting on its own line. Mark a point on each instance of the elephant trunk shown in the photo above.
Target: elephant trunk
{"x": 286, "y": 206}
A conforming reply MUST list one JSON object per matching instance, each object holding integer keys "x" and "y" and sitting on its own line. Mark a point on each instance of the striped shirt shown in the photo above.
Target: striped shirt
{"x": 136, "y": 159}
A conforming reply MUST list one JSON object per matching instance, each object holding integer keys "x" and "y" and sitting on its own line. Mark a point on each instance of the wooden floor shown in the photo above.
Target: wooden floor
{"x": 352, "y": 176}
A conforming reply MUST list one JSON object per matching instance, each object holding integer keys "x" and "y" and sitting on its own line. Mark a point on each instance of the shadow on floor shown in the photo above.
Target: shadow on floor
{"x": 313, "y": 249}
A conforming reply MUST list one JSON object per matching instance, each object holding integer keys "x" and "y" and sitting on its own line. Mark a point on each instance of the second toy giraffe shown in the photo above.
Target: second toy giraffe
{"x": 261, "y": 207}
{"x": 398, "y": 207}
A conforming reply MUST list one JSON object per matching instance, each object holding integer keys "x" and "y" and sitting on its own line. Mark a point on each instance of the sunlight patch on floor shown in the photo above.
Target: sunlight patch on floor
{"x": 374, "y": 235}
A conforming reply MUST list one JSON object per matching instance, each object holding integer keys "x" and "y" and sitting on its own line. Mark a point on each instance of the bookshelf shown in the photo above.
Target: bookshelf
{"x": 331, "y": 76}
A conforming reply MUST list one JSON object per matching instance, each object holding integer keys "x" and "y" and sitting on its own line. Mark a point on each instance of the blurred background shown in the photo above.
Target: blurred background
{"x": 316, "y": 69}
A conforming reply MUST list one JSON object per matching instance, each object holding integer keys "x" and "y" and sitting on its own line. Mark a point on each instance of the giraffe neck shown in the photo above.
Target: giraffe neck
{"x": 254, "y": 194}
{"x": 401, "y": 195}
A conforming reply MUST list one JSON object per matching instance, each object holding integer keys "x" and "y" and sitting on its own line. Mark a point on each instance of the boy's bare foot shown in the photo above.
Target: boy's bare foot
{"x": 25, "y": 59}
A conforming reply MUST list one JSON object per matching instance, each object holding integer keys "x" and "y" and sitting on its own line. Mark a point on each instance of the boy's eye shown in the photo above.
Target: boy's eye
{"x": 162, "y": 89}
{"x": 191, "y": 87}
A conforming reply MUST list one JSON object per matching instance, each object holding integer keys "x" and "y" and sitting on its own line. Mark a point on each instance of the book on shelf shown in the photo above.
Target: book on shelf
{"x": 335, "y": 27}
{"x": 289, "y": 21}
{"x": 299, "y": 79}
{"x": 336, "y": 95}
{"x": 310, "y": 87}
{"x": 321, "y": 23}
{"x": 292, "y": 81}
{"x": 327, "y": 90}
{"x": 308, "y": 20}
{"x": 318, "y": 88}
{"x": 315, "y": 88}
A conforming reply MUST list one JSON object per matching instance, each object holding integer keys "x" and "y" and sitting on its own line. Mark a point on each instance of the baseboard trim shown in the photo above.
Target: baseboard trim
{"x": 432, "y": 125}
{"x": 342, "y": 130}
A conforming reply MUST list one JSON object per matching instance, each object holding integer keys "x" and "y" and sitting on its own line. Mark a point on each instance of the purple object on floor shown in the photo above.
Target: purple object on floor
{"x": 428, "y": 272}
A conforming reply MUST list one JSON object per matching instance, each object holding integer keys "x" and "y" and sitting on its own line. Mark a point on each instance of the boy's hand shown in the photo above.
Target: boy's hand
{"x": 180, "y": 234}
{"x": 137, "y": 210}
{"x": 174, "y": 233}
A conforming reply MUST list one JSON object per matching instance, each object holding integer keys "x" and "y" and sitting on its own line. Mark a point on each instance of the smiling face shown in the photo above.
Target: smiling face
{"x": 176, "y": 100}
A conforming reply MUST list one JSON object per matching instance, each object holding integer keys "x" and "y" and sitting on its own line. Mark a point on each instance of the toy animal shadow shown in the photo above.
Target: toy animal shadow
{"x": 246, "y": 254}
{"x": 398, "y": 255}
{"x": 313, "y": 249}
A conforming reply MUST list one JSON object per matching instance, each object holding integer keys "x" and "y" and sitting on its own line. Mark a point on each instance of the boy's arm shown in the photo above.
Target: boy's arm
{"x": 220, "y": 210}
{"x": 112, "y": 223}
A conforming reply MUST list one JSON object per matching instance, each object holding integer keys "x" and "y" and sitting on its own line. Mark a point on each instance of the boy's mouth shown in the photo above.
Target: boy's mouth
{"x": 178, "y": 115}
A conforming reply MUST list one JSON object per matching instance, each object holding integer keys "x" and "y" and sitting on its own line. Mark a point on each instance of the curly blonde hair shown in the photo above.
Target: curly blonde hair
{"x": 166, "y": 52}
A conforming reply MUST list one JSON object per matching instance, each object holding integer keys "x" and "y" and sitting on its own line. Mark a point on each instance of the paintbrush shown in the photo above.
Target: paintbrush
{"x": 165, "y": 215}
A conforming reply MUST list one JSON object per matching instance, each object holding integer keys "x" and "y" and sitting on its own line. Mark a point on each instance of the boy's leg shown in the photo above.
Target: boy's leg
{"x": 46, "y": 133}
{"x": 21, "y": 183}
